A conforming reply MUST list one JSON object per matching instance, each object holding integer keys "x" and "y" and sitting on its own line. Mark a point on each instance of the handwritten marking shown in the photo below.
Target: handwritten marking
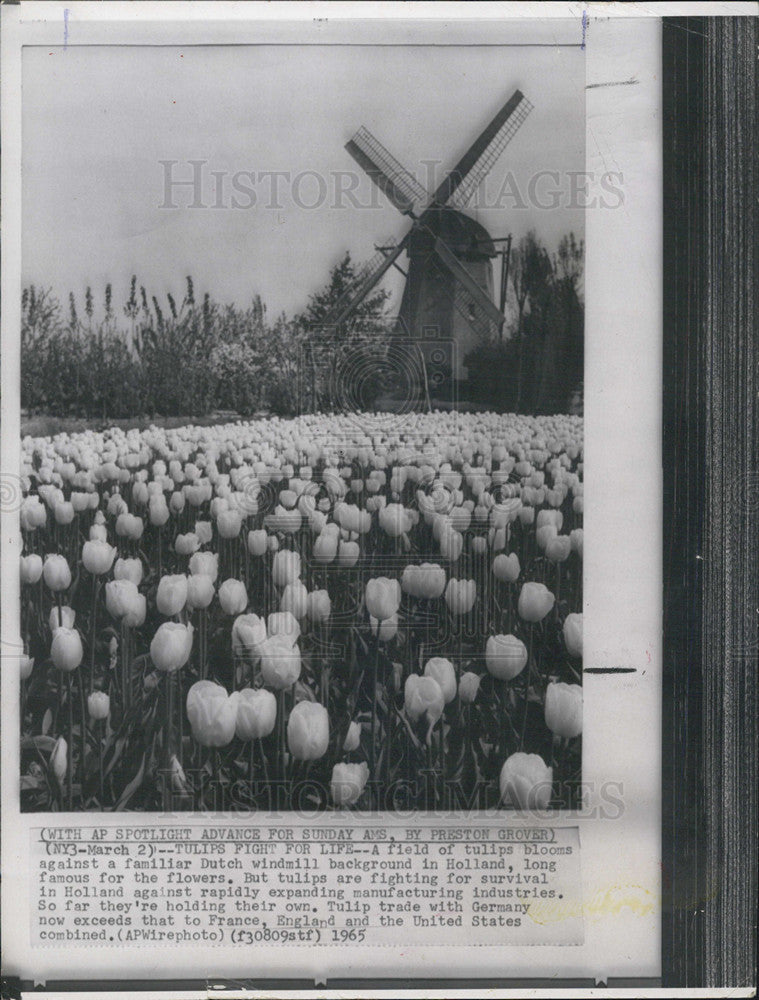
{"x": 613, "y": 83}
{"x": 610, "y": 670}
{"x": 584, "y": 27}
{"x": 609, "y": 902}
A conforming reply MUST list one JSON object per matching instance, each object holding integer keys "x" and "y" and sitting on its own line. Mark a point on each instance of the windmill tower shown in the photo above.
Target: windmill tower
{"x": 449, "y": 281}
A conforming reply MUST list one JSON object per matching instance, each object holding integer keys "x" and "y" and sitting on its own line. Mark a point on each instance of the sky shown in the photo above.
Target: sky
{"x": 105, "y": 128}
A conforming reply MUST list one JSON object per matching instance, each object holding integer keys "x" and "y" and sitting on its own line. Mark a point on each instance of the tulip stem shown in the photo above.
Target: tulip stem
{"x": 217, "y": 781}
{"x": 375, "y": 666}
{"x": 169, "y": 692}
{"x": 526, "y": 702}
{"x": 93, "y": 631}
{"x": 124, "y": 668}
{"x": 100, "y": 737}
{"x": 560, "y": 761}
{"x": 441, "y": 753}
{"x": 264, "y": 765}
{"x": 83, "y": 710}
{"x": 69, "y": 699}
{"x": 281, "y": 737}
{"x": 180, "y": 717}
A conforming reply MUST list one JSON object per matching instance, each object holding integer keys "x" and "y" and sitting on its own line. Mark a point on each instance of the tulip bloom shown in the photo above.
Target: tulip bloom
{"x": 128, "y": 569}
{"x": 98, "y": 705}
{"x": 63, "y": 512}
{"x": 295, "y": 599}
{"x": 248, "y": 635}
{"x": 563, "y": 709}
{"x": 233, "y": 597}
{"x": 158, "y": 511}
{"x": 460, "y": 596}
{"x": 285, "y": 567}
{"x": 199, "y": 591}
{"x": 535, "y": 601}
{"x": 325, "y": 545}
{"x": 575, "y": 540}
{"x": 308, "y": 731}
{"x": 135, "y": 614}
{"x": 212, "y": 714}
{"x": 469, "y": 686}
{"x": 280, "y": 662}
{"x": 204, "y": 532}
{"x": 347, "y": 554}
{"x": 382, "y": 597}
{"x": 286, "y": 521}
{"x": 129, "y": 526}
{"x": 120, "y": 596}
{"x": 185, "y": 545}
{"x": 229, "y": 523}
{"x": 206, "y": 563}
{"x": 352, "y": 737}
{"x": 66, "y": 650}
{"x": 56, "y": 573}
{"x": 31, "y": 568}
{"x": 59, "y": 760}
{"x": 442, "y": 671}
{"x": 257, "y": 542}
{"x": 558, "y": 548}
{"x": 63, "y": 617}
{"x": 423, "y": 696}
{"x": 573, "y": 634}
{"x": 285, "y": 624}
{"x": 394, "y": 520}
{"x": 319, "y": 606}
{"x": 171, "y": 595}
{"x": 386, "y": 629}
{"x": 171, "y": 646}
{"x": 506, "y": 568}
{"x": 348, "y": 783}
{"x": 451, "y": 544}
{"x": 256, "y": 714}
{"x": 526, "y": 782}
{"x": 505, "y": 656}
{"x": 425, "y": 581}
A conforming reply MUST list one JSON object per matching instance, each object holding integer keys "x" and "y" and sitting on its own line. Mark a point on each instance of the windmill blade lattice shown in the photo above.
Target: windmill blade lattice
{"x": 469, "y": 298}
{"x": 390, "y": 176}
{"x": 469, "y": 184}
{"x": 367, "y": 277}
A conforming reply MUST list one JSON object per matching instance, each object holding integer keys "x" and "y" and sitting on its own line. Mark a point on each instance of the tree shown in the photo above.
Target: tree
{"x": 531, "y": 275}
{"x": 369, "y": 314}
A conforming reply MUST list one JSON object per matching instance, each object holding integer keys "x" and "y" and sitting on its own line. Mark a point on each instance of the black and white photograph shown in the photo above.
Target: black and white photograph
{"x": 377, "y": 478}
{"x": 302, "y": 380}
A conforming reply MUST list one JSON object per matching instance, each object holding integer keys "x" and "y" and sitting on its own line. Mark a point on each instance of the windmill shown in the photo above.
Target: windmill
{"x": 449, "y": 282}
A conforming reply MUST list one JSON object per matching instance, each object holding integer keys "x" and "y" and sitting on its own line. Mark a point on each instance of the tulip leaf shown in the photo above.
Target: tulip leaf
{"x": 132, "y": 787}
{"x": 42, "y": 743}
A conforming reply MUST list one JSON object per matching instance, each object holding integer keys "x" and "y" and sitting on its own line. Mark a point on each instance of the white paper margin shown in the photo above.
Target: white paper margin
{"x": 623, "y": 602}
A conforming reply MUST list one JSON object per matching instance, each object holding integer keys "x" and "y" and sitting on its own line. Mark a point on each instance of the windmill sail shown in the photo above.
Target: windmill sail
{"x": 461, "y": 183}
{"x": 367, "y": 277}
{"x": 474, "y": 305}
{"x": 398, "y": 184}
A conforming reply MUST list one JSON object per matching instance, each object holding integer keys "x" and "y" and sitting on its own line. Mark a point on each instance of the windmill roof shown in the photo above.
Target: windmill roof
{"x": 463, "y": 235}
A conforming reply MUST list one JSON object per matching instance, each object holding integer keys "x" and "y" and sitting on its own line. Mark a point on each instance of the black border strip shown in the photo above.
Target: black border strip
{"x": 711, "y": 502}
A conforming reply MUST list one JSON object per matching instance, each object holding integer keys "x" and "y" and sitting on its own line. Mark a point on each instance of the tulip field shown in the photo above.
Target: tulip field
{"x": 364, "y": 611}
